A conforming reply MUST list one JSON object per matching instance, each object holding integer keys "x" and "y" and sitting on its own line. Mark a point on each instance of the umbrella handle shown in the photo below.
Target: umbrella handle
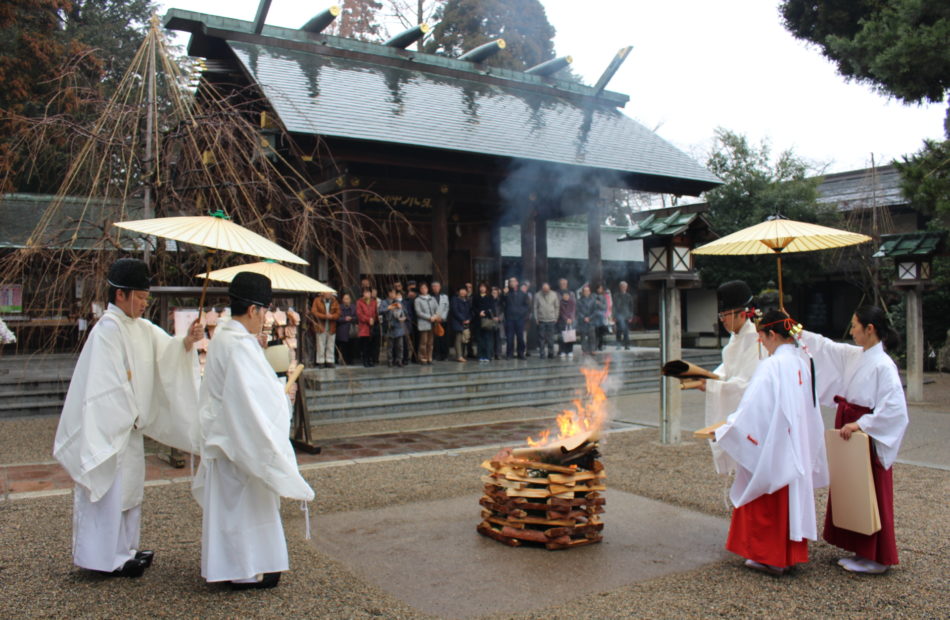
{"x": 204, "y": 287}
{"x": 781, "y": 293}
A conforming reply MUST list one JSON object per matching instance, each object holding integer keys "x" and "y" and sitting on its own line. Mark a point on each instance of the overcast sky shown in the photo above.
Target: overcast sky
{"x": 697, "y": 65}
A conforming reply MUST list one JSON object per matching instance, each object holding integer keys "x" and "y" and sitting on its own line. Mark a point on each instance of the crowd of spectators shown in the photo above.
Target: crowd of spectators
{"x": 421, "y": 323}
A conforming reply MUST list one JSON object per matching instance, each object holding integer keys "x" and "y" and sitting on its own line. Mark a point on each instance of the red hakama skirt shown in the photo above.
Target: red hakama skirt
{"x": 882, "y": 545}
{"x": 759, "y": 531}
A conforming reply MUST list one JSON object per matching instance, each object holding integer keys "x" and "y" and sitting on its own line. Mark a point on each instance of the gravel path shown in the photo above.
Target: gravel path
{"x": 37, "y": 579}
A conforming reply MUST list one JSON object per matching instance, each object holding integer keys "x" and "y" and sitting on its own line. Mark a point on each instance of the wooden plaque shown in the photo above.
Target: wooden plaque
{"x": 854, "y": 499}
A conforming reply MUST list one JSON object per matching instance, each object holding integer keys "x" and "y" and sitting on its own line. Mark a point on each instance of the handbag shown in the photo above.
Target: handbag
{"x": 466, "y": 335}
{"x": 487, "y": 323}
{"x": 354, "y": 331}
{"x": 568, "y": 336}
{"x": 437, "y": 329}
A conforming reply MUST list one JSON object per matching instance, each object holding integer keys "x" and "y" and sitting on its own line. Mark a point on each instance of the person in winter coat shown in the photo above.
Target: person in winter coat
{"x": 367, "y": 318}
{"x": 460, "y": 318}
{"x": 546, "y": 309}
{"x": 325, "y": 311}
{"x": 517, "y": 310}
{"x": 623, "y": 315}
{"x": 587, "y": 312}
{"x": 427, "y": 311}
{"x": 346, "y": 328}
{"x": 483, "y": 309}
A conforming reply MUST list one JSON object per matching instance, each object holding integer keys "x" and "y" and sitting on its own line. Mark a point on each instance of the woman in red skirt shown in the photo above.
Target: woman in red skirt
{"x": 861, "y": 380}
{"x": 776, "y": 438}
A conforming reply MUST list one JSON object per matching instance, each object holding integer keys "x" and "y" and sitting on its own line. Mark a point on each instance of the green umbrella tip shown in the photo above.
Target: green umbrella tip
{"x": 220, "y": 214}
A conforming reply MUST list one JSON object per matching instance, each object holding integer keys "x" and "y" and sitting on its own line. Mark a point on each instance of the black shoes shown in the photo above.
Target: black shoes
{"x": 132, "y": 568}
{"x": 270, "y": 580}
{"x": 146, "y": 556}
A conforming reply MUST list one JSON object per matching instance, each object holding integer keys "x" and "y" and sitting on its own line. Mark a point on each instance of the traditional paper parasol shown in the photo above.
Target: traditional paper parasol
{"x": 282, "y": 278}
{"x": 777, "y": 235}
{"x": 215, "y": 231}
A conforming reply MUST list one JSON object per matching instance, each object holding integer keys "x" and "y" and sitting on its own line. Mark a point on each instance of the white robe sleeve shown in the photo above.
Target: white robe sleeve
{"x": 99, "y": 412}
{"x": 757, "y": 436}
{"x": 740, "y": 359}
{"x": 253, "y": 426}
{"x": 887, "y": 423}
{"x": 174, "y": 420}
{"x": 831, "y": 361}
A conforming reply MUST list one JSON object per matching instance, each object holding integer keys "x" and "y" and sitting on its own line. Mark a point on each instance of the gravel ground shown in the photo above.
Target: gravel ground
{"x": 37, "y": 579}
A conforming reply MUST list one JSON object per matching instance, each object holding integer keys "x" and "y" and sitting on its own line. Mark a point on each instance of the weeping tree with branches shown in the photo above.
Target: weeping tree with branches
{"x": 183, "y": 151}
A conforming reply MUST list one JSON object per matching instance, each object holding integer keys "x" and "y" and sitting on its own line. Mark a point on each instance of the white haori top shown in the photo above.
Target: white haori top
{"x": 776, "y": 437}
{"x": 131, "y": 378}
{"x": 867, "y": 378}
{"x": 740, "y": 358}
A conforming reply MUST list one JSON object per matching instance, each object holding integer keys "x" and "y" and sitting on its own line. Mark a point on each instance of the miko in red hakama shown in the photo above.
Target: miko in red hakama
{"x": 881, "y": 546}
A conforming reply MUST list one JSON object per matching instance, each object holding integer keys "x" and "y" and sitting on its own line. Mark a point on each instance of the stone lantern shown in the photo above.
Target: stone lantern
{"x": 668, "y": 242}
{"x": 913, "y": 258}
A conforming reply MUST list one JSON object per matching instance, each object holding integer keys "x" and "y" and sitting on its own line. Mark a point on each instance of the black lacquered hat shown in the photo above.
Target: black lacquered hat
{"x": 129, "y": 274}
{"x": 251, "y": 287}
{"x": 733, "y": 295}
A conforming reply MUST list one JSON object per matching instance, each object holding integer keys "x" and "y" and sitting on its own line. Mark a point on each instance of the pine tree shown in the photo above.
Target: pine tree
{"x": 523, "y": 24}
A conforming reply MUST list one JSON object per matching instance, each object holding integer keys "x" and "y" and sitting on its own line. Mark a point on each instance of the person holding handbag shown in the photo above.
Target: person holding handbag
{"x": 567, "y": 311}
{"x": 346, "y": 329}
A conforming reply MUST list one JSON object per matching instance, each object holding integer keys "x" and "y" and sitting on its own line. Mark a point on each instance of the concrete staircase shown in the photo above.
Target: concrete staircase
{"x": 34, "y": 384}
{"x": 37, "y": 384}
{"x": 357, "y": 393}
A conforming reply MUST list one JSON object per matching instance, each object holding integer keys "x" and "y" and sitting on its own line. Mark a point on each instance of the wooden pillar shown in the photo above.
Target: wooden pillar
{"x": 915, "y": 346}
{"x": 349, "y": 258}
{"x": 440, "y": 238}
{"x": 595, "y": 267}
{"x": 670, "y": 349}
{"x": 541, "y": 250}
{"x": 528, "y": 249}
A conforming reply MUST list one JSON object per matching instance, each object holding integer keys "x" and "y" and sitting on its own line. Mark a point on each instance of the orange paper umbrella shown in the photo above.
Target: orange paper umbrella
{"x": 778, "y": 236}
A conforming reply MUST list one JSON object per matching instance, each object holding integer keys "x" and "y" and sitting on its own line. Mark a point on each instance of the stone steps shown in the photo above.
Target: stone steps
{"x": 346, "y": 394}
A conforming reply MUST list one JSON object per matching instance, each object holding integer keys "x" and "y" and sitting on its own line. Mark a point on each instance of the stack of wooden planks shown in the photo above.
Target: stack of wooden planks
{"x": 528, "y": 501}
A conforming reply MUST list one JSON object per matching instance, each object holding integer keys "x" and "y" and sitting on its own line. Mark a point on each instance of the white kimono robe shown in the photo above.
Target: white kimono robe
{"x": 740, "y": 358}
{"x": 131, "y": 379}
{"x": 776, "y": 437}
{"x": 247, "y": 461}
{"x": 868, "y": 378}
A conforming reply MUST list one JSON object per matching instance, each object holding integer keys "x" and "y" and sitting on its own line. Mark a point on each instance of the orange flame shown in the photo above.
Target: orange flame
{"x": 587, "y": 416}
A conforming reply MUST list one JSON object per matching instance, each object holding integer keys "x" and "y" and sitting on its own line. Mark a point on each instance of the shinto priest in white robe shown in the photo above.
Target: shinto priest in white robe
{"x": 247, "y": 461}
{"x": 776, "y": 437}
{"x": 131, "y": 379}
{"x": 740, "y": 358}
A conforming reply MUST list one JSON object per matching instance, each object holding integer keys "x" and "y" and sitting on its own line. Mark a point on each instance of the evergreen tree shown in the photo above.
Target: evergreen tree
{"x": 523, "y": 24}
{"x": 58, "y": 59}
{"x": 900, "y": 46}
{"x": 755, "y": 187}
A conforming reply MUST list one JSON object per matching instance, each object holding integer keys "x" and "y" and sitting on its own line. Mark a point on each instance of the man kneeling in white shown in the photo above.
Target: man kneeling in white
{"x": 247, "y": 461}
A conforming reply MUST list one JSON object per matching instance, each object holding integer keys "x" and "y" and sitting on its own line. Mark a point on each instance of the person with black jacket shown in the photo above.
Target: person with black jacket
{"x": 460, "y": 319}
{"x": 483, "y": 309}
{"x": 517, "y": 310}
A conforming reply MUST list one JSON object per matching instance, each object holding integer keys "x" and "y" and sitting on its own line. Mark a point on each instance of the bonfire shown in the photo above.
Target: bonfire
{"x": 549, "y": 493}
